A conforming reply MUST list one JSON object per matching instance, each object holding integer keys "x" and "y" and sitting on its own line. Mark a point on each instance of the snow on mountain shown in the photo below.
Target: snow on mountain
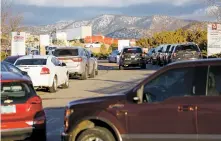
{"x": 119, "y": 26}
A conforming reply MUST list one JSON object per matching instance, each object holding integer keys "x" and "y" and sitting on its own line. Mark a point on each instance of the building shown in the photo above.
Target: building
{"x": 59, "y": 36}
{"x": 76, "y": 33}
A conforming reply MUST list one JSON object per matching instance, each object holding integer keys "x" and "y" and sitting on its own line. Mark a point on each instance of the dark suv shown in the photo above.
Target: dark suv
{"x": 132, "y": 57}
{"x": 186, "y": 51}
{"x": 180, "y": 102}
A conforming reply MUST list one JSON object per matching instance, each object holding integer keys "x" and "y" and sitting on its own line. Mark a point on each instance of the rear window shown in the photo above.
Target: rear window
{"x": 11, "y": 60}
{"x": 65, "y": 52}
{"x": 132, "y": 50}
{"x": 187, "y": 48}
{"x": 16, "y": 91}
{"x": 31, "y": 62}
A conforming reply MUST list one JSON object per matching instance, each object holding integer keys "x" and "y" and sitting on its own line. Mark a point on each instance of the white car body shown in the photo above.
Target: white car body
{"x": 38, "y": 76}
{"x": 93, "y": 45}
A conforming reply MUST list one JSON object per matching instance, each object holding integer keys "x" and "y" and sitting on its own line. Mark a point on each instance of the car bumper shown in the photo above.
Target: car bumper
{"x": 65, "y": 137}
{"x": 132, "y": 62}
{"x": 75, "y": 70}
{"x": 41, "y": 80}
{"x": 16, "y": 134}
{"x": 183, "y": 59}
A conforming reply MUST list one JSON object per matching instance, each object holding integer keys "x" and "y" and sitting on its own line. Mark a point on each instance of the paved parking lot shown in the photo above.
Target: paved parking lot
{"x": 110, "y": 80}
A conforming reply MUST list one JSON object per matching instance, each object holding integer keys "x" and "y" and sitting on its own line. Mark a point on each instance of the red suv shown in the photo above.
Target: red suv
{"x": 22, "y": 114}
{"x": 180, "y": 102}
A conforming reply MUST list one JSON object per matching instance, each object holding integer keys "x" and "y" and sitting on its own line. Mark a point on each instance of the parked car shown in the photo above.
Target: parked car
{"x": 112, "y": 58}
{"x": 149, "y": 55}
{"x": 46, "y": 71}
{"x": 93, "y": 45}
{"x": 186, "y": 51}
{"x": 132, "y": 57}
{"x": 12, "y": 59}
{"x": 170, "y": 53}
{"x": 78, "y": 60}
{"x": 163, "y": 54}
{"x": 155, "y": 54}
{"x": 170, "y": 104}
{"x": 8, "y": 67}
{"x": 22, "y": 114}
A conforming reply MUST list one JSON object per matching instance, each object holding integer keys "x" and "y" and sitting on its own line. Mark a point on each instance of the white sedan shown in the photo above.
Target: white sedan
{"x": 45, "y": 71}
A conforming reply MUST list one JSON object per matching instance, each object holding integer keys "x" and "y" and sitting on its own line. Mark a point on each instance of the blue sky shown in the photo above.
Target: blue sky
{"x": 41, "y": 12}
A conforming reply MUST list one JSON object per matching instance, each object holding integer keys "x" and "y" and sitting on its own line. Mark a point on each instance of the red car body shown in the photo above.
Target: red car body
{"x": 22, "y": 114}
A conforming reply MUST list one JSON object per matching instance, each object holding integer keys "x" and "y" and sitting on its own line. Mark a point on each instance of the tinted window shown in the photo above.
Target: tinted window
{"x": 66, "y": 52}
{"x": 16, "y": 91}
{"x": 12, "y": 68}
{"x": 132, "y": 50}
{"x": 31, "y": 62}
{"x": 55, "y": 61}
{"x": 168, "y": 48}
{"x": 11, "y": 60}
{"x": 115, "y": 52}
{"x": 173, "y": 83}
{"x": 187, "y": 48}
{"x": 214, "y": 81}
{"x": 3, "y": 68}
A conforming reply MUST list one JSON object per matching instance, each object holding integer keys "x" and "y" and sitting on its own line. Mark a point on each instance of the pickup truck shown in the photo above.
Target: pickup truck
{"x": 93, "y": 45}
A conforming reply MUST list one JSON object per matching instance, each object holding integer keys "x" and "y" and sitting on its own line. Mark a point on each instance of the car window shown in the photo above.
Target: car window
{"x": 180, "y": 48}
{"x": 173, "y": 83}
{"x": 132, "y": 50}
{"x": 168, "y": 48}
{"x": 3, "y": 68}
{"x": 65, "y": 52}
{"x": 214, "y": 81}
{"x": 31, "y": 62}
{"x": 12, "y": 68}
{"x": 11, "y": 60}
{"x": 55, "y": 61}
{"x": 16, "y": 91}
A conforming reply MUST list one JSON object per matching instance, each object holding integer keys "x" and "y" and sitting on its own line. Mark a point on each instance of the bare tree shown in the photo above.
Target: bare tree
{"x": 215, "y": 9}
{"x": 10, "y": 22}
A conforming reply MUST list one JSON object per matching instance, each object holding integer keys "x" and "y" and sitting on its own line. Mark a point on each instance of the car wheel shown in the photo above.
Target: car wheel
{"x": 92, "y": 75}
{"x": 121, "y": 67}
{"x": 96, "y": 134}
{"x": 84, "y": 75}
{"x": 54, "y": 86}
{"x": 143, "y": 66}
{"x": 39, "y": 135}
{"x": 66, "y": 84}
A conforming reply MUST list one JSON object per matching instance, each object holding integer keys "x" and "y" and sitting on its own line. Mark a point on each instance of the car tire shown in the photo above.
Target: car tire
{"x": 39, "y": 135}
{"x": 92, "y": 75}
{"x": 121, "y": 67}
{"x": 143, "y": 66}
{"x": 96, "y": 133}
{"x": 54, "y": 86}
{"x": 66, "y": 84}
{"x": 84, "y": 74}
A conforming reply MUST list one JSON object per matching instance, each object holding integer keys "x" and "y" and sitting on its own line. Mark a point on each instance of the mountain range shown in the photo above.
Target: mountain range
{"x": 120, "y": 26}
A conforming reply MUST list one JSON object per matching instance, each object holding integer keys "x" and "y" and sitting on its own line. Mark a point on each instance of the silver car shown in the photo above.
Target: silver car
{"x": 112, "y": 58}
{"x": 80, "y": 62}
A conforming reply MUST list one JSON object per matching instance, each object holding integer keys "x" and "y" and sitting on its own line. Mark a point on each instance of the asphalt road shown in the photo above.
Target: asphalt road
{"x": 110, "y": 80}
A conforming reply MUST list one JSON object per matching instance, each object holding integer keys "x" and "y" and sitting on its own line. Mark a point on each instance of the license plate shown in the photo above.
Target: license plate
{"x": 8, "y": 109}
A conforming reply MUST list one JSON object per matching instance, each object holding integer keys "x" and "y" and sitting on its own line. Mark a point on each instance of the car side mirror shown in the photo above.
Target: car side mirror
{"x": 63, "y": 64}
{"x": 24, "y": 73}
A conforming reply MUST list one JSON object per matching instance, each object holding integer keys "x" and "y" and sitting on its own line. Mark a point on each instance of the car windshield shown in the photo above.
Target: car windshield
{"x": 14, "y": 90}
{"x": 11, "y": 60}
{"x": 65, "y": 52}
{"x": 187, "y": 48}
{"x": 132, "y": 50}
{"x": 31, "y": 62}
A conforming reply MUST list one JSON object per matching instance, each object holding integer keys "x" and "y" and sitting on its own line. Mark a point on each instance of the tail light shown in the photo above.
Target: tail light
{"x": 35, "y": 100}
{"x": 45, "y": 70}
{"x": 67, "y": 113}
{"x": 40, "y": 118}
{"x": 77, "y": 59}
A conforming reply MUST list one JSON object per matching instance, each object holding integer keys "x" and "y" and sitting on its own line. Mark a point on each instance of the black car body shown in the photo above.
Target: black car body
{"x": 132, "y": 57}
{"x": 186, "y": 51}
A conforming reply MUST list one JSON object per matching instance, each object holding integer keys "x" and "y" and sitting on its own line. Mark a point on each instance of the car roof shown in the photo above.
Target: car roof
{"x": 199, "y": 61}
{"x": 15, "y": 56}
{"x": 74, "y": 47}
{"x": 35, "y": 57}
{"x": 10, "y": 76}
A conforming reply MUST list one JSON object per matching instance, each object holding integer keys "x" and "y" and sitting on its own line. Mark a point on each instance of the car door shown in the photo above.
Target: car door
{"x": 62, "y": 70}
{"x": 209, "y": 104}
{"x": 57, "y": 69}
{"x": 165, "y": 112}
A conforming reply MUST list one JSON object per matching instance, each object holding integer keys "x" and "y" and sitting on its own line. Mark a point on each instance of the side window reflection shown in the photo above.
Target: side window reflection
{"x": 214, "y": 81}
{"x": 173, "y": 83}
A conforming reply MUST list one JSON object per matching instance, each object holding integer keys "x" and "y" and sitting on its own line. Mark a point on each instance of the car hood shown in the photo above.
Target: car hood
{"x": 97, "y": 101}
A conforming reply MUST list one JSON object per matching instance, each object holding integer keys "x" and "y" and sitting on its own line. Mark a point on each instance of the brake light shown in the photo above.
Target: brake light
{"x": 45, "y": 70}
{"x": 35, "y": 100}
{"x": 79, "y": 59}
